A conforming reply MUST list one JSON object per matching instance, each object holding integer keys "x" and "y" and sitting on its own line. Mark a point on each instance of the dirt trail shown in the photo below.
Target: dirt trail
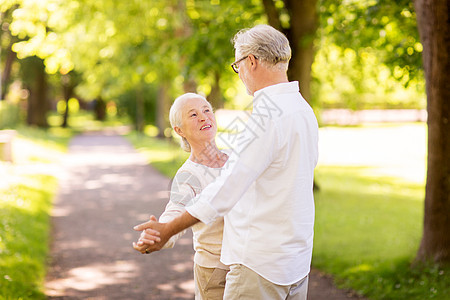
{"x": 107, "y": 188}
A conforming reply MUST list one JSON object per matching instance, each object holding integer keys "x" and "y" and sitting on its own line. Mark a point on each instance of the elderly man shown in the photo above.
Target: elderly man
{"x": 266, "y": 193}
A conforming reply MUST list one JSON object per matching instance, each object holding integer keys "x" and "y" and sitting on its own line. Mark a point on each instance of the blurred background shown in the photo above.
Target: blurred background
{"x": 71, "y": 66}
{"x": 130, "y": 60}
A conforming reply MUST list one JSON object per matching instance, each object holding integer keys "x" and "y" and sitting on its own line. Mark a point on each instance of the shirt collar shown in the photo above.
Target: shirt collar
{"x": 280, "y": 88}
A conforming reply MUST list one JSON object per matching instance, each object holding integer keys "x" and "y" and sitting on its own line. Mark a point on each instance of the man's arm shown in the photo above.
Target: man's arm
{"x": 245, "y": 165}
{"x": 166, "y": 230}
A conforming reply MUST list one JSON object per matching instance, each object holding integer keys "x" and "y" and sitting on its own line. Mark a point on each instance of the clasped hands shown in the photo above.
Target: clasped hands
{"x": 152, "y": 237}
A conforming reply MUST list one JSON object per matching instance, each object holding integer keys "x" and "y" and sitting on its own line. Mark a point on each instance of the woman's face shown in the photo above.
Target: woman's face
{"x": 198, "y": 121}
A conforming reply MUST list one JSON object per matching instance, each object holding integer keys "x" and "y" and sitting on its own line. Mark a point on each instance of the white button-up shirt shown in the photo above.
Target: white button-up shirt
{"x": 266, "y": 192}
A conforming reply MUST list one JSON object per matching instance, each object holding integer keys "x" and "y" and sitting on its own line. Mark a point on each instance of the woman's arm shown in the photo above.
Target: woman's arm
{"x": 171, "y": 212}
{"x": 183, "y": 190}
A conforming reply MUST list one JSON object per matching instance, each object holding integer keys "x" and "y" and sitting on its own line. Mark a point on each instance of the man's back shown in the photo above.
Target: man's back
{"x": 270, "y": 230}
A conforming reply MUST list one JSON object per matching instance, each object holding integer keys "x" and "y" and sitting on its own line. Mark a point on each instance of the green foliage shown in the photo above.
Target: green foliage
{"x": 388, "y": 27}
{"x": 82, "y": 121}
{"x": 369, "y": 56}
{"x": 346, "y": 79}
{"x": 9, "y": 115}
{"x": 24, "y": 228}
{"x": 207, "y": 46}
{"x": 120, "y": 46}
{"x": 367, "y": 233}
{"x": 127, "y": 102}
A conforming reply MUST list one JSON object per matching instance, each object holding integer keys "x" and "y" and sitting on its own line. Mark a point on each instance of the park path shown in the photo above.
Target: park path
{"x": 106, "y": 189}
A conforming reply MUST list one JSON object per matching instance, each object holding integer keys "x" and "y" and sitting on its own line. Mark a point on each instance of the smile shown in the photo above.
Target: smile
{"x": 205, "y": 127}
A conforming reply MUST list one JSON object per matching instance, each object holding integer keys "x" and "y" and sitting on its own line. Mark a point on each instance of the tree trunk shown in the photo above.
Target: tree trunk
{"x": 10, "y": 57}
{"x": 162, "y": 110}
{"x": 5, "y": 20}
{"x": 272, "y": 14}
{"x": 100, "y": 109}
{"x": 68, "y": 88}
{"x": 433, "y": 20}
{"x": 139, "y": 110}
{"x": 38, "y": 105}
{"x": 304, "y": 22}
{"x": 190, "y": 86}
{"x": 301, "y": 34}
{"x": 215, "y": 96}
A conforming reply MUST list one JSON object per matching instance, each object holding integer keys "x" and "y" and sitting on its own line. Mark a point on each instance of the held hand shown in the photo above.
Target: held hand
{"x": 166, "y": 231}
{"x": 150, "y": 239}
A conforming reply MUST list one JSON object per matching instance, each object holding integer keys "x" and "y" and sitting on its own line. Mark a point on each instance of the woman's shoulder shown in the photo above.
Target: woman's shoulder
{"x": 188, "y": 166}
{"x": 188, "y": 170}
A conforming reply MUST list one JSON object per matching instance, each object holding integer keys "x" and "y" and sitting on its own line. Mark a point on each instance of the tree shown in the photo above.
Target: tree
{"x": 10, "y": 56}
{"x": 433, "y": 18}
{"x": 35, "y": 80}
{"x": 300, "y": 29}
{"x": 207, "y": 51}
{"x": 369, "y": 56}
{"x": 68, "y": 82}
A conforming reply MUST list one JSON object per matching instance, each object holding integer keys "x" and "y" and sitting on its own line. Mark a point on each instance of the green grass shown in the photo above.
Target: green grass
{"x": 24, "y": 234}
{"x": 367, "y": 231}
{"x": 82, "y": 121}
{"x": 164, "y": 154}
{"x": 25, "y": 205}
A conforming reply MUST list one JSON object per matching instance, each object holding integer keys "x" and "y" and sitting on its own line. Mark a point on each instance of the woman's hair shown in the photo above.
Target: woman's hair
{"x": 176, "y": 115}
{"x": 265, "y": 43}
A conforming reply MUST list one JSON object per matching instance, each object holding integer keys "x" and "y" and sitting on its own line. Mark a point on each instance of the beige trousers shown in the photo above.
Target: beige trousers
{"x": 243, "y": 283}
{"x": 209, "y": 283}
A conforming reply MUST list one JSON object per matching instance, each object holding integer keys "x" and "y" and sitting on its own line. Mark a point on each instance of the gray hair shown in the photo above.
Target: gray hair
{"x": 176, "y": 115}
{"x": 266, "y": 43}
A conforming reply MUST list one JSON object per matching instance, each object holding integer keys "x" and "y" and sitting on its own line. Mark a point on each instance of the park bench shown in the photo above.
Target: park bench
{"x": 6, "y": 138}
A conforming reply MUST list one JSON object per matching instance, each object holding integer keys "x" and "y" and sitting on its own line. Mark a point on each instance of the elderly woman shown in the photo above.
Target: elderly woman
{"x": 192, "y": 118}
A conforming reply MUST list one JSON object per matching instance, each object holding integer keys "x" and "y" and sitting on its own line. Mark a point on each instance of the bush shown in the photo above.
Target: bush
{"x": 9, "y": 115}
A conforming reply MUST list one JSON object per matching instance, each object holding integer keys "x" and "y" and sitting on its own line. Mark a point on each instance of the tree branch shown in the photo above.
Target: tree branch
{"x": 272, "y": 14}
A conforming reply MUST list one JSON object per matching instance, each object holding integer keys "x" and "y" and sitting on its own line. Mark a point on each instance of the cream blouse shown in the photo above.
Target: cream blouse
{"x": 189, "y": 181}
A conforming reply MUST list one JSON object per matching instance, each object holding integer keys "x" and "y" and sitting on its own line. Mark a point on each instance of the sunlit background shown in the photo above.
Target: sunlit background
{"x": 111, "y": 66}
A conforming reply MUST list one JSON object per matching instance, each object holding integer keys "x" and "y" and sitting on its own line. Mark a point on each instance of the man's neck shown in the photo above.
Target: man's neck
{"x": 271, "y": 78}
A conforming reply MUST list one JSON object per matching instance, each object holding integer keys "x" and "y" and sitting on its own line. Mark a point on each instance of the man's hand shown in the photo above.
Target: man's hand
{"x": 150, "y": 239}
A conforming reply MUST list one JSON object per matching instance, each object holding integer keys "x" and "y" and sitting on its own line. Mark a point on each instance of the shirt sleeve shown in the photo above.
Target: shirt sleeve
{"x": 254, "y": 153}
{"x": 183, "y": 190}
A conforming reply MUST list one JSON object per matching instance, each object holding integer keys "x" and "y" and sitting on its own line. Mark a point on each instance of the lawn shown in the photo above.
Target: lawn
{"x": 26, "y": 193}
{"x": 367, "y": 233}
{"x": 369, "y": 209}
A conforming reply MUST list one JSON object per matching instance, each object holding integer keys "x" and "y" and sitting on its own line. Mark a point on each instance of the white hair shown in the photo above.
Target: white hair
{"x": 176, "y": 115}
{"x": 265, "y": 43}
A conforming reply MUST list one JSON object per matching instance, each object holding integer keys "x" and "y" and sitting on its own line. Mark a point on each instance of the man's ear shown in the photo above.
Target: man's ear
{"x": 253, "y": 61}
{"x": 179, "y": 131}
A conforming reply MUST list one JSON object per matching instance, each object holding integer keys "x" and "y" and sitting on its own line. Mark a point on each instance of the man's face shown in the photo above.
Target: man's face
{"x": 243, "y": 72}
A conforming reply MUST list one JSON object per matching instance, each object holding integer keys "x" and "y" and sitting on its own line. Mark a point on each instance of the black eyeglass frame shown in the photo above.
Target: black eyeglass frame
{"x": 234, "y": 65}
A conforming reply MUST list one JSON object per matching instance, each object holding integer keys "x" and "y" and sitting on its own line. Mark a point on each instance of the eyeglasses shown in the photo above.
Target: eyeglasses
{"x": 235, "y": 65}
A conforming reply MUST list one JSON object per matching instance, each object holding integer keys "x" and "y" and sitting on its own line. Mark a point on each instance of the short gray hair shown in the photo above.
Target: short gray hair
{"x": 176, "y": 115}
{"x": 266, "y": 43}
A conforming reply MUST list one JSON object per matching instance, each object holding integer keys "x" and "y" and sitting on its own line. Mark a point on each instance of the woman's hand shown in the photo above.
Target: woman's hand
{"x": 148, "y": 237}
{"x": 150, "y": 241}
